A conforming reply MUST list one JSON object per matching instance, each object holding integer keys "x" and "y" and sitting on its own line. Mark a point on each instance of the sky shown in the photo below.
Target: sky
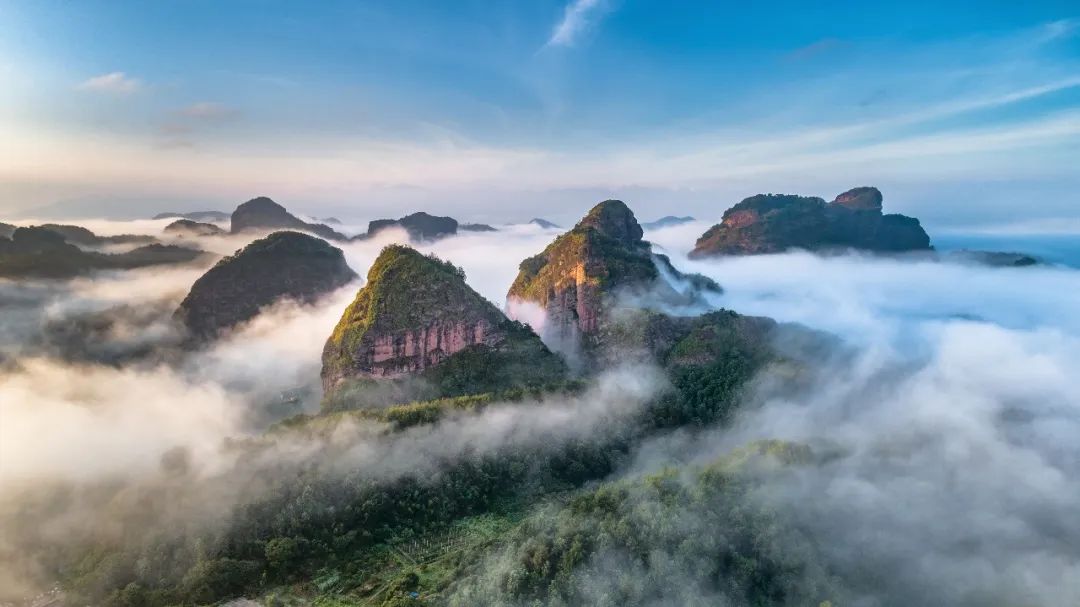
{"x": 965, "y": 114}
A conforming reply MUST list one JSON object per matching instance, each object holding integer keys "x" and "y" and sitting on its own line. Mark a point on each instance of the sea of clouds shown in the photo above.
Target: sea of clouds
{"x": 952, "y": 409}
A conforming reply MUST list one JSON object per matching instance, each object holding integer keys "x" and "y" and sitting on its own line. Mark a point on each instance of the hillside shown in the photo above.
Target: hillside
{"x": 263, "y": 214}
{"x": 417, "y": 319}
{"x": 601, "y": 264}
{"x": 41, "y": 252}
{"x": 282, "y": 265}
{"x": 421, "y": 227}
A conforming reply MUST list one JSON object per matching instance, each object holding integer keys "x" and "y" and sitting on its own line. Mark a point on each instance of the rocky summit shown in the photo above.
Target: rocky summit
{"x": 282, "y": 265}
{"x": 416, "y": 318}
{"x": 576, "y": 279}
{"x": 773, "y": 223}
{"x": 264, "y": 214}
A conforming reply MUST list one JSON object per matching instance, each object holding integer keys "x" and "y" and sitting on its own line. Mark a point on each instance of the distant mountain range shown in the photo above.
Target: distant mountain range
{"x": 667, "y": 222}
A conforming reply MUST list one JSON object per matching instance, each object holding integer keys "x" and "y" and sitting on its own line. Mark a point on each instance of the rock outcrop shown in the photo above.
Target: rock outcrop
{"x": 264, "y": 214}
{"x": 773, "y": 223}
{"x": 416, "y": 318}
{"x": 282, "y": 265}
{"x": 187, "y": 227}
{"x": 40, "y": 252}
{"x": 421, "y": 226}
{"x": 579, "y": 277}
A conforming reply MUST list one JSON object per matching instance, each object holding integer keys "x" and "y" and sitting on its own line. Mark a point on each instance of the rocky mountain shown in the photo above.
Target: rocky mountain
{"x": 264, "y": 214}
{"x": 417, "y": 326}
{"x": 41, "y": 252}
{"x": 187, "y": 227}
{"x": 421, "y": 226}
{"x": 666, "y": 222}
{"x": 195, "y": 216}
{"x": 772, "y": 223}
{"x": 583, "y": 274}
{"x": 543, "y": 223}
{"x": 282, "y": 265}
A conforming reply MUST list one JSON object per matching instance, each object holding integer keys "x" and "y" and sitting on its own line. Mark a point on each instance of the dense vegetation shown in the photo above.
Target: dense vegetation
{"x": 407, "y": 293}
{"x": 606, "y": 244}
{"x": 41, "y": 252}
{"x": 475, "y": 480}
{"x": 671, "y": 538}
{"x": 293, "y": 516}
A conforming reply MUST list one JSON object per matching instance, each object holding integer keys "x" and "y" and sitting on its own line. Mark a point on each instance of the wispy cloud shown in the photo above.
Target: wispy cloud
{"x": 577, "y": 17}
{"x": 1062, "y": 28}
{"x": 814, "y": 48}
{"x": 208, "y": 111}
{"x": 185, "y": 123}
{"x": 116, "y": 83}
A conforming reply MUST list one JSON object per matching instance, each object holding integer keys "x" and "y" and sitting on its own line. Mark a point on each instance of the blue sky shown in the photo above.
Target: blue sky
{"x": 963, "y": 113}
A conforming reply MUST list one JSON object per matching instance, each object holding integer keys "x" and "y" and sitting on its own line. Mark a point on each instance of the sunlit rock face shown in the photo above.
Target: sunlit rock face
{"x": 773, "y": 223}
{"x": 283, "y": 265}
{"x": 416, "y": 314}
{"x": 604, "y": 251}
{"x": 599, "y": 265}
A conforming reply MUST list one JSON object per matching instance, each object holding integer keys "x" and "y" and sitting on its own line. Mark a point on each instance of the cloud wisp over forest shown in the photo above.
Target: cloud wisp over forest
{"x": 943, "y": 418}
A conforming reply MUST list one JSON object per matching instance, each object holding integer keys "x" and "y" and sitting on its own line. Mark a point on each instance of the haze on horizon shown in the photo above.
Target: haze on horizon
{"x": 963, "y": 115}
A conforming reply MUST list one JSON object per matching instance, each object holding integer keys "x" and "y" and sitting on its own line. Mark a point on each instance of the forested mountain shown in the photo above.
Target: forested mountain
{"x": 456, "y": 457}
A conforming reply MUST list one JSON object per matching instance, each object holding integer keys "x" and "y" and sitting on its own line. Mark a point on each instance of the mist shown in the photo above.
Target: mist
{"x": 949, "y": 411}
{"x": 947, "y": 422}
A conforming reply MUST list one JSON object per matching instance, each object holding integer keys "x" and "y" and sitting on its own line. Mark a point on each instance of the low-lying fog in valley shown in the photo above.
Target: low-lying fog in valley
{"x": 946, "y": 415}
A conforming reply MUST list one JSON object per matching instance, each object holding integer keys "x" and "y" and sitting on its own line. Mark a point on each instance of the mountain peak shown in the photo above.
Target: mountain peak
{"x": 573, "y": 280}
{"x": 864, "y": 198}
{"x": 414, "y": 317}
{"x": 281, "y": 265}
{"x": 614, "y": 219}
{"x": 421, "y": 226}
{"x": 773, "y": 223}
{"x": 262, "y": 213}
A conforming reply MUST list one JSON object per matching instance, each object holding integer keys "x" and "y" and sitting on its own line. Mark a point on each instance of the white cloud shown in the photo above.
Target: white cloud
{"x": 1056, "y": 30}
{"x": 117, "y": 83}
{"x": 579, "y": 14}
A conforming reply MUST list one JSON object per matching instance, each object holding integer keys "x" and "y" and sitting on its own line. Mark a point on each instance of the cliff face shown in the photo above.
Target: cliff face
{"x": 574, "y": 279}
{"x": 603, "y": 252}
{"x": 416, "y": 317}
{"x": 263, "y": 213}
{"x": 772, "y": 223}
{"x": 282, "y": 265}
